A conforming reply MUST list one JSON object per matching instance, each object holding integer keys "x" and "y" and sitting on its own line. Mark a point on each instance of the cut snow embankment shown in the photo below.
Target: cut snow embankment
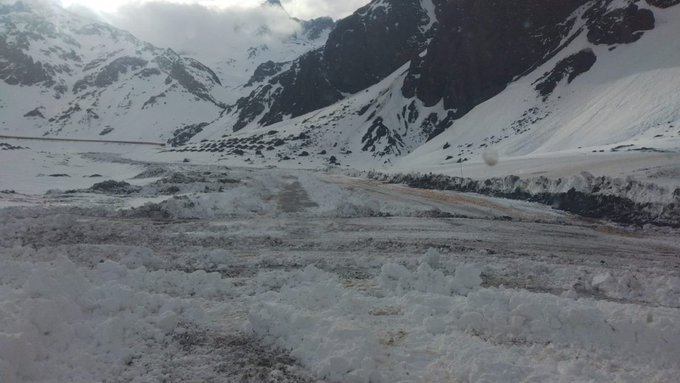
{"x": 621, "y": 200}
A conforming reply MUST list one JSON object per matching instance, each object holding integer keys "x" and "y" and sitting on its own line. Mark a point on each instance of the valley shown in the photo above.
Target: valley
{"x": 418, "y": 191}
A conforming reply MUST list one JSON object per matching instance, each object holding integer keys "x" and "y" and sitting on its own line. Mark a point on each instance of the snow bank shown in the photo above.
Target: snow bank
{"x": 428, "y": 325}
{"x": 63, "y": 323}
{"x": 622, "y": 200}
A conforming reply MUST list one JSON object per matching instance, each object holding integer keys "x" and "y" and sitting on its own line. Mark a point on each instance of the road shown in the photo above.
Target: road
{"x": 57, "y": 139}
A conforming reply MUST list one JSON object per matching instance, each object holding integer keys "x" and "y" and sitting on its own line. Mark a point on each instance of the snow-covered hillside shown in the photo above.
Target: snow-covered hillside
{"x": 588, "y": 76}
{"x": 67, "y": 75}
{"x": 238, "y": 66}
{"x": 627, "y": 101}
{"x": 607, "y": 82}
{"x": 70, "y": 76}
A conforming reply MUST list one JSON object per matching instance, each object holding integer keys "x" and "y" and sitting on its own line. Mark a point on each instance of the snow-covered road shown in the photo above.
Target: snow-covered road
{"x": 207, "y": 274}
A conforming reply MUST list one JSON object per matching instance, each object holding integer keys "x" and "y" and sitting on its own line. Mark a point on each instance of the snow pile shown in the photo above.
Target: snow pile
{"x": 634, "y": 190}
{"x": 62, "y": 323}
{"x": 239, "y": 201}
{"x": 621, "y": 200}
{"x": 398, "y": 279}
{"x": 663, "y": 289}
{"x": 406, "y": 326}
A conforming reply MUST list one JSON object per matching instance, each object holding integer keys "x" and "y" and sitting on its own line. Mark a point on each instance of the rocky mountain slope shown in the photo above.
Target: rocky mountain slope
{"x": 519, "y": 76}
{"x": 421, "y": 83}
{"x": 363, "y": 49}
{"x": 237, "y": 66}
{"x": 71, "y": 76}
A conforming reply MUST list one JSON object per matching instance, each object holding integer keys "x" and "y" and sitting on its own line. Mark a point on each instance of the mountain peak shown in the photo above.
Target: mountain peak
{"x": 273, "y": 3}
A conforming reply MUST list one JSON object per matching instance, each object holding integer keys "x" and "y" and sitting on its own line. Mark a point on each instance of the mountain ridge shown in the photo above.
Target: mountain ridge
{"x": 394, "y": 82}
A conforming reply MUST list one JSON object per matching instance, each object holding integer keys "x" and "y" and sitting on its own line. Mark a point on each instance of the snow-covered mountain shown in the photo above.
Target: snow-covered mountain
{"x": 66, "y": 75}
{"x": 520, "y": 77}
{"x": 238, "y": 65}
{"x": 62, "y": 74}
{"x": 425, "y": 83}
{"x": 612, "y": 86}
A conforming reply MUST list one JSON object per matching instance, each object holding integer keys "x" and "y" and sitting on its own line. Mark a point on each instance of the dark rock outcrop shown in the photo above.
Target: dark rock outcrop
{"x": 114, "y": 187}
{"x": 621, "y": 26}
{"x": 663, "y": 3}
{"x": 299, "y": 90}
{"x": 109, "y": 74}
{"x": 372, "y": 43}
{"x": 18, "y": 68}
{"x": 362, "y": 50}
{"x": 185, "y": 134}
{"x": 570, "y": 67}
{"x": 312, "y": 29}
{"x": 480, "y": 46}
{"x": 377, "y": 132}
{"x": 263, "y": 71}
{"x": 35, "y": 113}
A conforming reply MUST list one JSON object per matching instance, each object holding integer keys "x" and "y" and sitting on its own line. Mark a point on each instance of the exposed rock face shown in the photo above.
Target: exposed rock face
{"x": 178, "y": 69}
{"x": 571, "y": 67}
{"x": 362, "y": 50}
{"x": 302, "y": 88}
{"x": 18, "y": 68}
{"x": 263, "y": 71}
{"x": 663, "y": 3}
{"x": 96, "y": 84}
{"x": 621, "y": 26}
{"x": 481, "y": 46}
{"x": 372, "y": 43}
{"x": 109, "y": 74}
{"x": 313, "y": 29}
{"x": 185, "y": 134}
{"x": 35, "y": 113}
{"x": 379, "y": 131}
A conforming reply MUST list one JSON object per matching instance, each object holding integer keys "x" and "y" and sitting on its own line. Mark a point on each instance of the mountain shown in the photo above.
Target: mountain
{"x": 437, "y": 83}
{"x": 608, "y": 85}
{"x": 421, "y": 83}
{"x": 252, "y": 44}
{"x": 70, "y": 76}
{"x": 362, "y": 50}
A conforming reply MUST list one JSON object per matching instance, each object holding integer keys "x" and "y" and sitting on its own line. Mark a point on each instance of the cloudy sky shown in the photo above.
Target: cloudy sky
{"x": 303, "y": 9}
{"x": 210, "y": 30}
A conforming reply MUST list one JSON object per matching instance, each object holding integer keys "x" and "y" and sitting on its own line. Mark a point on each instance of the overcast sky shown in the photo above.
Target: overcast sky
{"x": 210, "y": 30}
{"x": 303, "y": 9}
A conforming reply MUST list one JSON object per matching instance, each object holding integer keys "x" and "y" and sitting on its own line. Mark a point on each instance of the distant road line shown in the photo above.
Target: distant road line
{"x": 83, "y": 140}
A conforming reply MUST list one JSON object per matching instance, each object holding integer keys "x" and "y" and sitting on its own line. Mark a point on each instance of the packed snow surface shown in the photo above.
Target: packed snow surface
{"x": 187, "y": 272}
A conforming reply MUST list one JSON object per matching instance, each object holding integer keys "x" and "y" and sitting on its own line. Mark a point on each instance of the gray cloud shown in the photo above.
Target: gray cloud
{"x": 217, "y": 32}
{"x": 209, "y": 33}
{"x": 306, "y": 9}
{"x": 211, "y": 30}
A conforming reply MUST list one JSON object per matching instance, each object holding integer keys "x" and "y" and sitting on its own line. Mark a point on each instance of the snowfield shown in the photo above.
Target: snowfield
{"x": 182, "y": 272}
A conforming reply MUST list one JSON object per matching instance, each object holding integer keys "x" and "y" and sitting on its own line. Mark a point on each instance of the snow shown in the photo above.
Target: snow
{"x": 78, "y": 325}
{"x": 618, "y": 119}
{"x": 419, "y": 329}
{"x": 291, "y": 275}
{"x": 219, "y": 270}
{"x": 79, "y": 48}
{"x": 29, "y": 171}
{"x": 627, "y": 98}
